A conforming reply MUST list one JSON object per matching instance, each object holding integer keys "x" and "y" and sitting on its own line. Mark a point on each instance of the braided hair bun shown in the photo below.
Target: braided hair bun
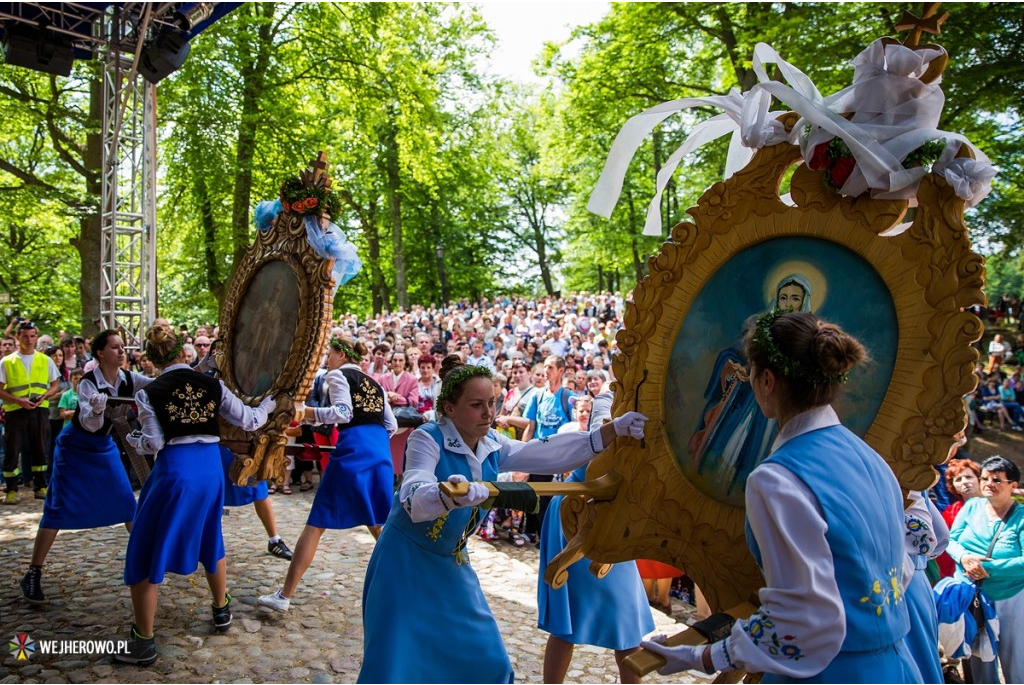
{"x": 162, "y": 345}
{"x": 835, "y": 350}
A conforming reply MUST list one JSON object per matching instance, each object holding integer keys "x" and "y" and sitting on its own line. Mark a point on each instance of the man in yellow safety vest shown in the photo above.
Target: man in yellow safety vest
{"x": 28, "y": 381}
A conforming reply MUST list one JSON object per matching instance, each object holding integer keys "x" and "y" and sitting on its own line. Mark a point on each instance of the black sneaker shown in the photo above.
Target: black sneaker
{"x": 32, "y": 586}
{"x": 141, "y": 650}
{"x": 279, "y": 550}
{"x": 222, "y": 615}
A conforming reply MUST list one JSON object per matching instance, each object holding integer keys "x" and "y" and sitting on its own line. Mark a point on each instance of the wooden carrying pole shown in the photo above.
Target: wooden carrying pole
{"x": 601, "y": 489}
{"x": 643, "y": 662}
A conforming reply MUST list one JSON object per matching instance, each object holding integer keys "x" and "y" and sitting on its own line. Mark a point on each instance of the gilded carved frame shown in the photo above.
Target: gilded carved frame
{"x": 260, "y": 454}
{"x": 932, "y": 275}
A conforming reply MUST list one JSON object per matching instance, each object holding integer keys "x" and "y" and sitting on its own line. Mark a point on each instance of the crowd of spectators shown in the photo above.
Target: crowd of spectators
{"x": 500, "y": 333}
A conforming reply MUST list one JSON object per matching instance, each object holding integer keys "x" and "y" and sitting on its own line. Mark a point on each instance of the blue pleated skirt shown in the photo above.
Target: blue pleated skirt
{"x": 89, "y": 487}
{"x": 923, "y": 638}
{"x": 177, "y": 522}
{"x": 358, "y": 484}
{"x": 447, "y": 633}
{"x": 610, "y": 612}
{"x": 236, "y": 495}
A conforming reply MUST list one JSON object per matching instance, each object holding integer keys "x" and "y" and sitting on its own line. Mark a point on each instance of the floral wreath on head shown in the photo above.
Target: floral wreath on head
{"x": 160, "y": 359}
{"x": 790, "y": 368}
{"x": 309, "y": 200}
{"x": 456, "y": 378}
{"x": 339, "y": 345}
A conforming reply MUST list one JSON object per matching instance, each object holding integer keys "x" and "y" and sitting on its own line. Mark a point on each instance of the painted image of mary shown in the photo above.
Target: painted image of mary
{"x": 732, "y": 435}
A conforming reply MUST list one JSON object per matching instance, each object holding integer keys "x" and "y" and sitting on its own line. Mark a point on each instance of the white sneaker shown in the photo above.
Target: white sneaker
{"x": 276, "y": 601}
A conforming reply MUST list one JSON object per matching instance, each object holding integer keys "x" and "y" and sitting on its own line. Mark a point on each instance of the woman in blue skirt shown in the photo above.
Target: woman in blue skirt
{"x": 177, "y": 522}
{"x": 425, "y": 618}
{"x": 610, "y": 612}
{"x": 258, "y": 496}
{"x": 358, "y": 482}
{"x": 824, "y": 523}
{"x": 89, "y": 487}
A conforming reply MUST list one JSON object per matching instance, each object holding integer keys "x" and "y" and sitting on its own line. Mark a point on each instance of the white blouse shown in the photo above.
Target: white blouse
{"x": 86, "y": 389}
{"x": 557, "y": 454}
{"x": 801, "y": 596}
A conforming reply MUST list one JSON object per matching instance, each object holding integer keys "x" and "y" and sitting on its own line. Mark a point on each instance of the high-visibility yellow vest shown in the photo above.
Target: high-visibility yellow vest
{"x": 21, "y": 384}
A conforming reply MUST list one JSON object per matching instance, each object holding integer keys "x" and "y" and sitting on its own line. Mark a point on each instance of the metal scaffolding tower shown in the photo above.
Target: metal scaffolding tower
{"x": 128, "y": 214}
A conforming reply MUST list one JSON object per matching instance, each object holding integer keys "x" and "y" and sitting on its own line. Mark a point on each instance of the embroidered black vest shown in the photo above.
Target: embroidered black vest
{"x": 185, "y": 402}
{"x": 127, "y": 390}
{"x": 367, "y": 399}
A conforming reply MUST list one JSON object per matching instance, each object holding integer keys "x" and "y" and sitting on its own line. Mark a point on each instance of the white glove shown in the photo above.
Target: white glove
{"x": 98, "y": 403}
{"x": 681, "y": 658}
{"x": 630, "y": 424}
{"x": 477, "y": 494}
{"x": 269, "y": 404}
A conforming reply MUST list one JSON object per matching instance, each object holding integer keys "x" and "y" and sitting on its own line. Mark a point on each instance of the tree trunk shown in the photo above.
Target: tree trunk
{"x": 209, "y": 226}
{"x": 395, "y": 206}
{"x": 254, "y": 74}
{"x": 88, "y": 243}
{"x": 368, "y": 222}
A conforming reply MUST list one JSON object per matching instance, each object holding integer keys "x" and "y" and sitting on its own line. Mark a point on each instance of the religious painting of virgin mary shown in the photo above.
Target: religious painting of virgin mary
{"x": 265, "y": 327}
{"x": 717, "y": 432}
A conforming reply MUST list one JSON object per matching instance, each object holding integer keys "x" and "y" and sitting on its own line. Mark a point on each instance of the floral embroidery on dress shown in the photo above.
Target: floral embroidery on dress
{"x": 195, "y": 407}
{"x": 759, "y": 626}
{"x": 435, "y": 530}
{"x": 881, "y": 595}
{"x": 920, "y": 535}
{"x": 367, "y": 397}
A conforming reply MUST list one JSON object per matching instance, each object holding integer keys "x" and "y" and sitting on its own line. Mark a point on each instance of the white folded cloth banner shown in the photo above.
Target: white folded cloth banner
{"x": 892, "y": 112}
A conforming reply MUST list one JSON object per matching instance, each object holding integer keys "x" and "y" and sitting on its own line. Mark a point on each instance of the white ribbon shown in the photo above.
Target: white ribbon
{"x": 893, "y": 114}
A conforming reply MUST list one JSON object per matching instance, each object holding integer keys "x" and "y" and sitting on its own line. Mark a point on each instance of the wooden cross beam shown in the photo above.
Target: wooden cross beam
{"x": 929, "y": 22}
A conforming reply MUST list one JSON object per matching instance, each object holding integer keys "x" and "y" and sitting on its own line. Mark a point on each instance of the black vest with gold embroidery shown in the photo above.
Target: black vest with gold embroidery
{"x": 185, "y": 402}
{"x": 127, "y": 391}
{"x": 367, "y": 399}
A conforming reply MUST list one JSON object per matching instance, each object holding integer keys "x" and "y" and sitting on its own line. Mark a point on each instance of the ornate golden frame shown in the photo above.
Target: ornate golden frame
{"x": 260, "y": 454}
{"x": 932, "y": 275}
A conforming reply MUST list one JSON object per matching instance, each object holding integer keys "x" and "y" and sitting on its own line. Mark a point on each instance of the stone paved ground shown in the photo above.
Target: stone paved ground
{"x": 319, "y": 640}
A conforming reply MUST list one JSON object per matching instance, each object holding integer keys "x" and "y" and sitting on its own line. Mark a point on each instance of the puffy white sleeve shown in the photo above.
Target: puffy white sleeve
{"x": 140, "y": 381}
{"x": 238, "y": 413}
{"x": 801, "y": 624}
{"x": 150, "y": 439}
{"x": 340, "y": 408}
{"x": 926, "y": 537}
{"x": 419, "y": 495}
{"x": 556, "y": 454}
{"x": 390, "y": 423}
{"x": 90, "y": 421}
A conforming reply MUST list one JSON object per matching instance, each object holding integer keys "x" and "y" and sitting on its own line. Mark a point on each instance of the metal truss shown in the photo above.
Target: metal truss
{"x": 128, "y": 210}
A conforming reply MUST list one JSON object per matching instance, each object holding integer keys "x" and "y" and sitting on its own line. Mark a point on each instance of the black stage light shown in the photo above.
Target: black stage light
{"x": 42, "y": 50}
{"x": 163, "y": 56}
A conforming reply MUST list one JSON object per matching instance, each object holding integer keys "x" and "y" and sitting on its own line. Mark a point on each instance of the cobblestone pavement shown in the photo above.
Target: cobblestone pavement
{"x": 319, "y": 640}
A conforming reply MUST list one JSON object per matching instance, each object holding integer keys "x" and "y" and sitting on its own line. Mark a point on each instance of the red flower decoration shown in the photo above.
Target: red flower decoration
{"x": 841, "y": 170}
{"x": 285, "y": 206}
{"x": 819, "y": 158}
{"x": 311, "y": 202}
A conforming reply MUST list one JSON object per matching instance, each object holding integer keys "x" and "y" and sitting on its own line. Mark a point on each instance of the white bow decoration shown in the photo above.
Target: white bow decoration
{"x": 893, "y": 114}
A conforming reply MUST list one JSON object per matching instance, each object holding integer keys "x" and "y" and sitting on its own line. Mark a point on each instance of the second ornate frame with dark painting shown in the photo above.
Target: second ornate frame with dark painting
{"x": 898, "y": 282}
{"x": 274, "y": 325}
